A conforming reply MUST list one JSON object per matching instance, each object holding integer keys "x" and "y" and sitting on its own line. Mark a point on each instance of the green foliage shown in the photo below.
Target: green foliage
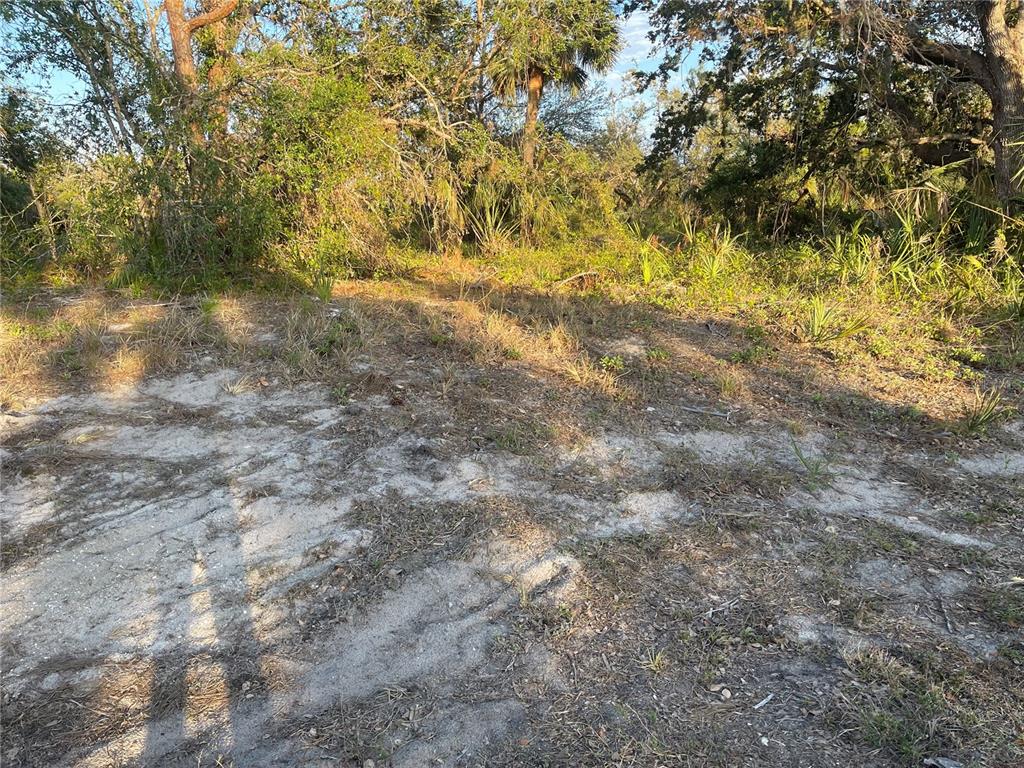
{"x": 853, "y": 255}
{"x": 492, "y": 219}
{"x": 714, "y": 253}
{"x": 803, "y": 104}
{"x": 613, "y": 363}
{"x": 824, "y": 323}
{"x": 334, "y": 174}
{"x": 816, "y": 469}
{"x": 355, "y": 147}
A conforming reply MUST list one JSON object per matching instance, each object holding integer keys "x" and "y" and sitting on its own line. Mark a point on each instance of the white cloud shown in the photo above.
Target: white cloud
{"x": 637, "y": 51}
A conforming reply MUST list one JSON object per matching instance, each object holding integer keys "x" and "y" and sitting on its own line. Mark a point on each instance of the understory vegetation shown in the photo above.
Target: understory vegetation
{"x": 286, "y": 148}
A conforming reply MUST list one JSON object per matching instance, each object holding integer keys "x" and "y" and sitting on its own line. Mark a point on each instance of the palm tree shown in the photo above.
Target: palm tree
{"x": 559, "y": 42}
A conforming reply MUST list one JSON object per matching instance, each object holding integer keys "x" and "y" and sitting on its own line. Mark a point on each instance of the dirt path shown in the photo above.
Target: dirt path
{"x": 205, "y": 568}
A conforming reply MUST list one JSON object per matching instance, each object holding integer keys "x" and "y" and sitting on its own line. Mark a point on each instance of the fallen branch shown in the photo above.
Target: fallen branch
{"x": 706, "y": 411}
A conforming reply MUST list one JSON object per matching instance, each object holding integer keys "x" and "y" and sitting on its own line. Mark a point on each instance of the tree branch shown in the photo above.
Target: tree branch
{"x": 962, "y": 58}
{"x": 213, "y": 15}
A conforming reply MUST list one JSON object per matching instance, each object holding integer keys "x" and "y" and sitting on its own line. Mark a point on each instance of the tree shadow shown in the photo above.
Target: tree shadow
{"x": 780, "y": 379}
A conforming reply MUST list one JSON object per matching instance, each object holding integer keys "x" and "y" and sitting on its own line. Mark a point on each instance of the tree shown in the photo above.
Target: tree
{"x": 550, "y": 42}
{"x": 25, "y": 138}
{"x": 983, "y": 43}
{"x": 105, "y": 45}
{"x": 117, "y": 49}
{"x": 842, "y": 75}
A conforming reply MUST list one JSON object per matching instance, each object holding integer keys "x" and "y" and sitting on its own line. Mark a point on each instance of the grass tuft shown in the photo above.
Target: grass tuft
{"x": 986, "y": 410}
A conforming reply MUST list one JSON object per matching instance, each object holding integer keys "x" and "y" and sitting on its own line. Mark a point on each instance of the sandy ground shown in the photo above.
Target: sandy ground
{"x": 206, "y": 569}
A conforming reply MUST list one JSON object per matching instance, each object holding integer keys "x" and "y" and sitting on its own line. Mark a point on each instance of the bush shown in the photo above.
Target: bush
{"x": 335, "y": 174}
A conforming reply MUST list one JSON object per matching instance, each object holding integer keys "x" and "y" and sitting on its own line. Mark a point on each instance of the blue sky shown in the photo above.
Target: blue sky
{"x": 639, "y": 54}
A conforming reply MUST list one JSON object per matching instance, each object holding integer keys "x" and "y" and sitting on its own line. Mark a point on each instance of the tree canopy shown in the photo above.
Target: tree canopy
{"x": 816, "y": 82}
{"x": 231, "y": 134}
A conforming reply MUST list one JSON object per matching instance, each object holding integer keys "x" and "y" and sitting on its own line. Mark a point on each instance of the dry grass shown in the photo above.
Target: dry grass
{"x": 52, "y": 344}
{"x": 923, "y": 705}
{"x": 49, "y": 348}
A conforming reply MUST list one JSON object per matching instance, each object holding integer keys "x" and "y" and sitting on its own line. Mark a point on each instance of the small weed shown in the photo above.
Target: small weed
{"x": 1012, "y": 653}
{"x": 648, "y": 266}
{"x": 967, "y": 356}
{"x": 332, "y": 339}
{"x": 522, "y": 437}
{"x": 448, "y": 378}
{"x": 908, "y": 709}
{"x": 986, "y": 410}
{"x": 752, "y": 354}
{"x": 979, "y": 517}
{"x": 756, "y": 334}
{"x": 881, "y": 346}
{"x": 585, "y": 373}
{"x": 438, "y": 339}
{"x": 40, "y": 332}
{"x": 69, "y": 362}
{"x": 314, "y": 340}
{"x": 438, "y": 332}
{"x": 818, "y": 475}
{"x": 208, "y": 306}
{"x": 613, "y": 363}
{"x": 239, "y": 386}
{"x": 524, "y": 596}
{"x": 322, "y": 284}
{"x": 729, "y": 384}
{"x": 657, "y": 355}
{"x": 911, "y": 414}
{"x": 654, "y": 661}
{"x": 887, "y": 538}
{"x": 340, "y": 394}
{"x": 1004, "y": 607}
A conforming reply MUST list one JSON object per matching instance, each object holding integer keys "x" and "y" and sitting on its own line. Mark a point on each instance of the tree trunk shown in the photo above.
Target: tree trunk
{"x": 1004, "y": 55}
{"x": 534, "y": 91}
{"x": 481, "y": 59}
{"x": 181, "y": 29}
{"x": 225, "y": 35}
{"x": 181, "y": 44}
{"x": 1008, "y": 125}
